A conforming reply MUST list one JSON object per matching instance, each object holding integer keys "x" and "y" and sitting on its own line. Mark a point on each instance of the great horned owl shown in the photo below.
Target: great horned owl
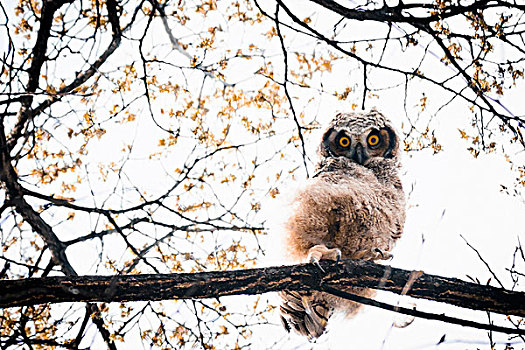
{"x": 353, "y": 207}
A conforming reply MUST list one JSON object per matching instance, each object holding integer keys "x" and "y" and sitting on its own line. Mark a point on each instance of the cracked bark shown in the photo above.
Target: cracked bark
{"x": 359, "y": 273}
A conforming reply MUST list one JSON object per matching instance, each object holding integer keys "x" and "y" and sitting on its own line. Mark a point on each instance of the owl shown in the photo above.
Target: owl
{"x": 352, "y": 208}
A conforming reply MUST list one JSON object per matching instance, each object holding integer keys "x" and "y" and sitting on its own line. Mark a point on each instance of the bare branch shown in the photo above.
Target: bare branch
{"x": 357, "y": 273}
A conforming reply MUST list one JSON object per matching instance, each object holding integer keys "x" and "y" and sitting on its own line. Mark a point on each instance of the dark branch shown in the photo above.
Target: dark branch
{"x": 39, "y": 57}
{"x": 359, "y": 273}
{"x": 399, "y": 13}
{"x": 420, "y": 314}
{"x": 287, "y": 92}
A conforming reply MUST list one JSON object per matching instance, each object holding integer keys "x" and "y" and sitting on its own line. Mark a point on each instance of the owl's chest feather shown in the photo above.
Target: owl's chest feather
{"x": 348, "y": 212}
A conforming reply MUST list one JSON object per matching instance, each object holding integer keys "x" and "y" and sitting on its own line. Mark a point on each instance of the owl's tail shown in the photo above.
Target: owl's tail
{"x": 305, "y": 312}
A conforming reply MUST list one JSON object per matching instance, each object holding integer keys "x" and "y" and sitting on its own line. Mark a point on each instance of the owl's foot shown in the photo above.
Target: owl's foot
{"x": 373, "y": 254}
{"x": 320, "y": 251}
{"x": 382, "y": 255}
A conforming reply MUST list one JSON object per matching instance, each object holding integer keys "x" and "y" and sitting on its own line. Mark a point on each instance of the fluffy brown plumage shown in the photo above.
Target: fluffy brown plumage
{"x": 353, "y": 207}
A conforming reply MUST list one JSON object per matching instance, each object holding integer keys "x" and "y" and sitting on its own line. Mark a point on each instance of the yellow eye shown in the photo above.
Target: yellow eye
{"x": 344, "y": 141}
{"x": 373, "y": 140}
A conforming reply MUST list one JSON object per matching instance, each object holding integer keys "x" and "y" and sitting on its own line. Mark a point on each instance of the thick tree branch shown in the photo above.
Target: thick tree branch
{"x": 399, "y": 13}
{"x": 8, "y": 175}
{"x": 39, "y": 57}
{"x": 360, "y": 273}
{"x": 26, "y": 113}
{"x": 9, "y": 179}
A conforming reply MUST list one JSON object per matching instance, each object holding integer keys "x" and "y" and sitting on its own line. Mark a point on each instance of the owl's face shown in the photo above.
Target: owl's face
{"x": 360, "y": 137}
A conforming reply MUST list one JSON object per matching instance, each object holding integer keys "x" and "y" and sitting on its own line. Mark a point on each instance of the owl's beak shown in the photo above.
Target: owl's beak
{"x": 359, "y": 154}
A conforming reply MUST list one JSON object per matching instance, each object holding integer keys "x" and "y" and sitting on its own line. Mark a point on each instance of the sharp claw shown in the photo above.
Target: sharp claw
{"x": 377, "y": 250}
{"x": 316, "y": 263}
{"x": 318, "y": 252}
{"x": 384, "y": 255}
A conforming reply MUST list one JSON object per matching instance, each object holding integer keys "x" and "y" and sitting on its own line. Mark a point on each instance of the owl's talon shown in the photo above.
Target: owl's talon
{"x": 320, "y": 251}
{"x": 381, "y": 254}
{"x": 337, "y": 255}
{"x": 316, "y": 263}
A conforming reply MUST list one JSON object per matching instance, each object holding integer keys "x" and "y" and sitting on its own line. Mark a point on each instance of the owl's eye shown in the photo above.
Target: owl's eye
{"x": 373, "y": 140}
{"x": 344, "y": 142}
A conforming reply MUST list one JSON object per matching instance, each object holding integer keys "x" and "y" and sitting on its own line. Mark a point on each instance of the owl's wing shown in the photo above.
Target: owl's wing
{"x": 305, "y": 312}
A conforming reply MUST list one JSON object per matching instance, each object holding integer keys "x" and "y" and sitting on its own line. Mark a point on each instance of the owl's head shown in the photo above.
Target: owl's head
{"x": 360, "y": 137}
